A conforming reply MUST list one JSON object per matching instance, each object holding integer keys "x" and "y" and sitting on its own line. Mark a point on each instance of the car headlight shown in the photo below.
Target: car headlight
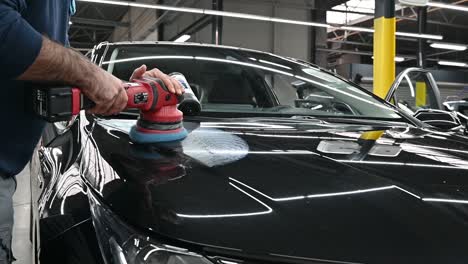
{"x": 121, "y": 244}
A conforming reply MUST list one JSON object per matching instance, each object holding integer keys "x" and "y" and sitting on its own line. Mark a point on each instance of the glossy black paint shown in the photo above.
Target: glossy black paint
{"x": 61, "y": 228}
{"x": 255, "y": 190}
{"x": 256, "y": 201}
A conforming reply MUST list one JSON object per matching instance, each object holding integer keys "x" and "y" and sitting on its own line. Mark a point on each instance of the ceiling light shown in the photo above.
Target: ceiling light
{"x": 236, "y": 15}
{"x": 453, "y": 63}
{"x": 449, "y": 46}
{"x": 251, "y": 16}
{"x": 209, "y": 12}
{"x": 263, "y": 18}
{"x": 70, "y": 23}
{"x": 413, "y": 2}
{"x": 397, "y": 59}
{"x": 448, "y": 6}
{"x": 297, "y": 22}
{"x": 402, "y": 34}
{"x": 182, "y": 38}
{"x": 417, "y": 35}
{"x": 360, "y": 29}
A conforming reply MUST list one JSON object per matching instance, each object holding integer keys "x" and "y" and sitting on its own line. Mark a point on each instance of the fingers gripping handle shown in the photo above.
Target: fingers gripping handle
{"x": 157, "y": 93}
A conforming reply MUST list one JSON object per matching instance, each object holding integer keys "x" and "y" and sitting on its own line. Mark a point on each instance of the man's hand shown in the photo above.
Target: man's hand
{"x": 172, "y": 84}
{"x": 107, "y": 92}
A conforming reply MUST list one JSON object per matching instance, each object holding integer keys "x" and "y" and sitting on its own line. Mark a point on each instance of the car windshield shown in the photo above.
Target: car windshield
{"x": 232, "y": 80}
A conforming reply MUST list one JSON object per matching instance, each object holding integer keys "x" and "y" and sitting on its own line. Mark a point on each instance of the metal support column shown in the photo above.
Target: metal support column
{"x": 422, "y": 23}
{"x": 160, "y": 13}
{"x": 318, "y": 36}
{"x": 217, "y": 24}
{"x": 384, "y": 46}
{"x": 421, "y": 87}
{"x": 130, "y": 22}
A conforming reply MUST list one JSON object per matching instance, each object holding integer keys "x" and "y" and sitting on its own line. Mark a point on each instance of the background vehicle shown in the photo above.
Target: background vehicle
{"x": 416, "y": 92}
{"x": 286, "y": 164}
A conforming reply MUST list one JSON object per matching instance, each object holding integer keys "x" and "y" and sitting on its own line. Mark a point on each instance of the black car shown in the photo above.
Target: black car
{"x": 287, "y": 163}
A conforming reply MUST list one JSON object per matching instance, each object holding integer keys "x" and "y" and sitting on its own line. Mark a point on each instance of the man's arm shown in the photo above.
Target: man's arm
{"x": 57, "y": 63}
{"x": 27, "y": 55}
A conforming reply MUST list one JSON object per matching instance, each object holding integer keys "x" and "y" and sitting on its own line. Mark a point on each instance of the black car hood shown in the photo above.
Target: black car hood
{"x": 293, "y": 189}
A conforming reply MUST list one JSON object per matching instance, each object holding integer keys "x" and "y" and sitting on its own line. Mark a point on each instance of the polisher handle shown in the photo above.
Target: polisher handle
{"x": 145, "y": 94}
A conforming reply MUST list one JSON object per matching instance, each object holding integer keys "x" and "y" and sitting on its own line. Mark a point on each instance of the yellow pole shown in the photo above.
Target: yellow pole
{"x": 421, "y": 94}
{"x": 384, "y": 46}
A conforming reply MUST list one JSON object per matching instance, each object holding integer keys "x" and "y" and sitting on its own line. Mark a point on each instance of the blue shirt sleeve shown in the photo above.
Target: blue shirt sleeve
{"x": 20, "y": 43}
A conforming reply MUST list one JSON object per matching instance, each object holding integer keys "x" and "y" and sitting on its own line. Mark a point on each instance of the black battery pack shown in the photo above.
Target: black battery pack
{"x": 53, "y": 104}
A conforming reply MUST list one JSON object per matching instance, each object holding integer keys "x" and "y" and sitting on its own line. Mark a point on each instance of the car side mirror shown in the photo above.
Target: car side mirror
{"x": 439, "y": 118}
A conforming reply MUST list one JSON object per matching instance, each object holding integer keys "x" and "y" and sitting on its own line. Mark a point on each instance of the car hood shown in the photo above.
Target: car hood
{"x": 292, "y": 189}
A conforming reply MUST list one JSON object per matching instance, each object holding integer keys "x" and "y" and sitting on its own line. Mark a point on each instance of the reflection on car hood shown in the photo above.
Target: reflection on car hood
{"x": 293, "y": 189}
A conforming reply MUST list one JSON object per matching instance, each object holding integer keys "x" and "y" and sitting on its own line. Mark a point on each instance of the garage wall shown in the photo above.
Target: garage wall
{"x": 183, "y": 20}
{"x": 142, "y": 21}
{"x": 282, "y": 39}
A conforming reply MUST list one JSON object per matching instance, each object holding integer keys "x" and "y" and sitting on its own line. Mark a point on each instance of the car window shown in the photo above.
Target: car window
{"x": 463, "y": 109}
{"x": 415, "y": 92}
{"x": 240, "y": 81}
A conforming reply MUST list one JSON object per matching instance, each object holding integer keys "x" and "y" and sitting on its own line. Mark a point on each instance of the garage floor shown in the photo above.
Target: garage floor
{"x": 22, "y": 203}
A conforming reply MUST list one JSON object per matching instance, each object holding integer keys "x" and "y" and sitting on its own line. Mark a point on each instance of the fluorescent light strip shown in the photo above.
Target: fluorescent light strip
{"x": 183, "y": 38}
{"x": 448, "y": 6}
{"x": 300, "y": 197}
{"x": 406, "y": 191}
{"x": 244, "y": 152}
{"x": 445, "y": 200}
{"x": 235, "y": 15}
{"x": 453, "y": 63}
{"x": 150, "y": 58}
{"x": 448, "y": 46}
{"x": 209, "y": 12}
{"x": 360, "y": 29}
{"x": 397, "y": 59}
{"x": 246, "y": 124}
{"x": 350, "y": 192}
{"x": 402, "y": 34}
{"x": 404, "y": 164}
{"x": 265, "y": 195}
{"x": 343, "y": 92}
{"x": 417, "y": 35}
{"x": 275, "y": 64}
{"x": 244, "y": 64}
{"x": 269, "y": 210}
{"x": 252, "y": 17}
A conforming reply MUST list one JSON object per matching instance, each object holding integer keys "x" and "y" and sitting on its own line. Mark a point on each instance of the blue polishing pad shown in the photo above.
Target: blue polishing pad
{"x": 139, "y": 137}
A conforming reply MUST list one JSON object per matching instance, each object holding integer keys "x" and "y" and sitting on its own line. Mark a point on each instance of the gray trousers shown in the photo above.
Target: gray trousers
{"x": 7, "y": 189}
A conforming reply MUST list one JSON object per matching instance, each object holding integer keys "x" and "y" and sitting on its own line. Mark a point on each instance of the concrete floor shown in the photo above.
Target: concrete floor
{"x": 22, "y": 204}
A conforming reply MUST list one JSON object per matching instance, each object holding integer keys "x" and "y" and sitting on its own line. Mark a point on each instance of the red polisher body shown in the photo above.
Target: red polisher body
{"x": 160, "y": 120}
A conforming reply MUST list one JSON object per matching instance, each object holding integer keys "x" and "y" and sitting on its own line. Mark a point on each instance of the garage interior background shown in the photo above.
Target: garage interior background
{"x": 349, "y": 52}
